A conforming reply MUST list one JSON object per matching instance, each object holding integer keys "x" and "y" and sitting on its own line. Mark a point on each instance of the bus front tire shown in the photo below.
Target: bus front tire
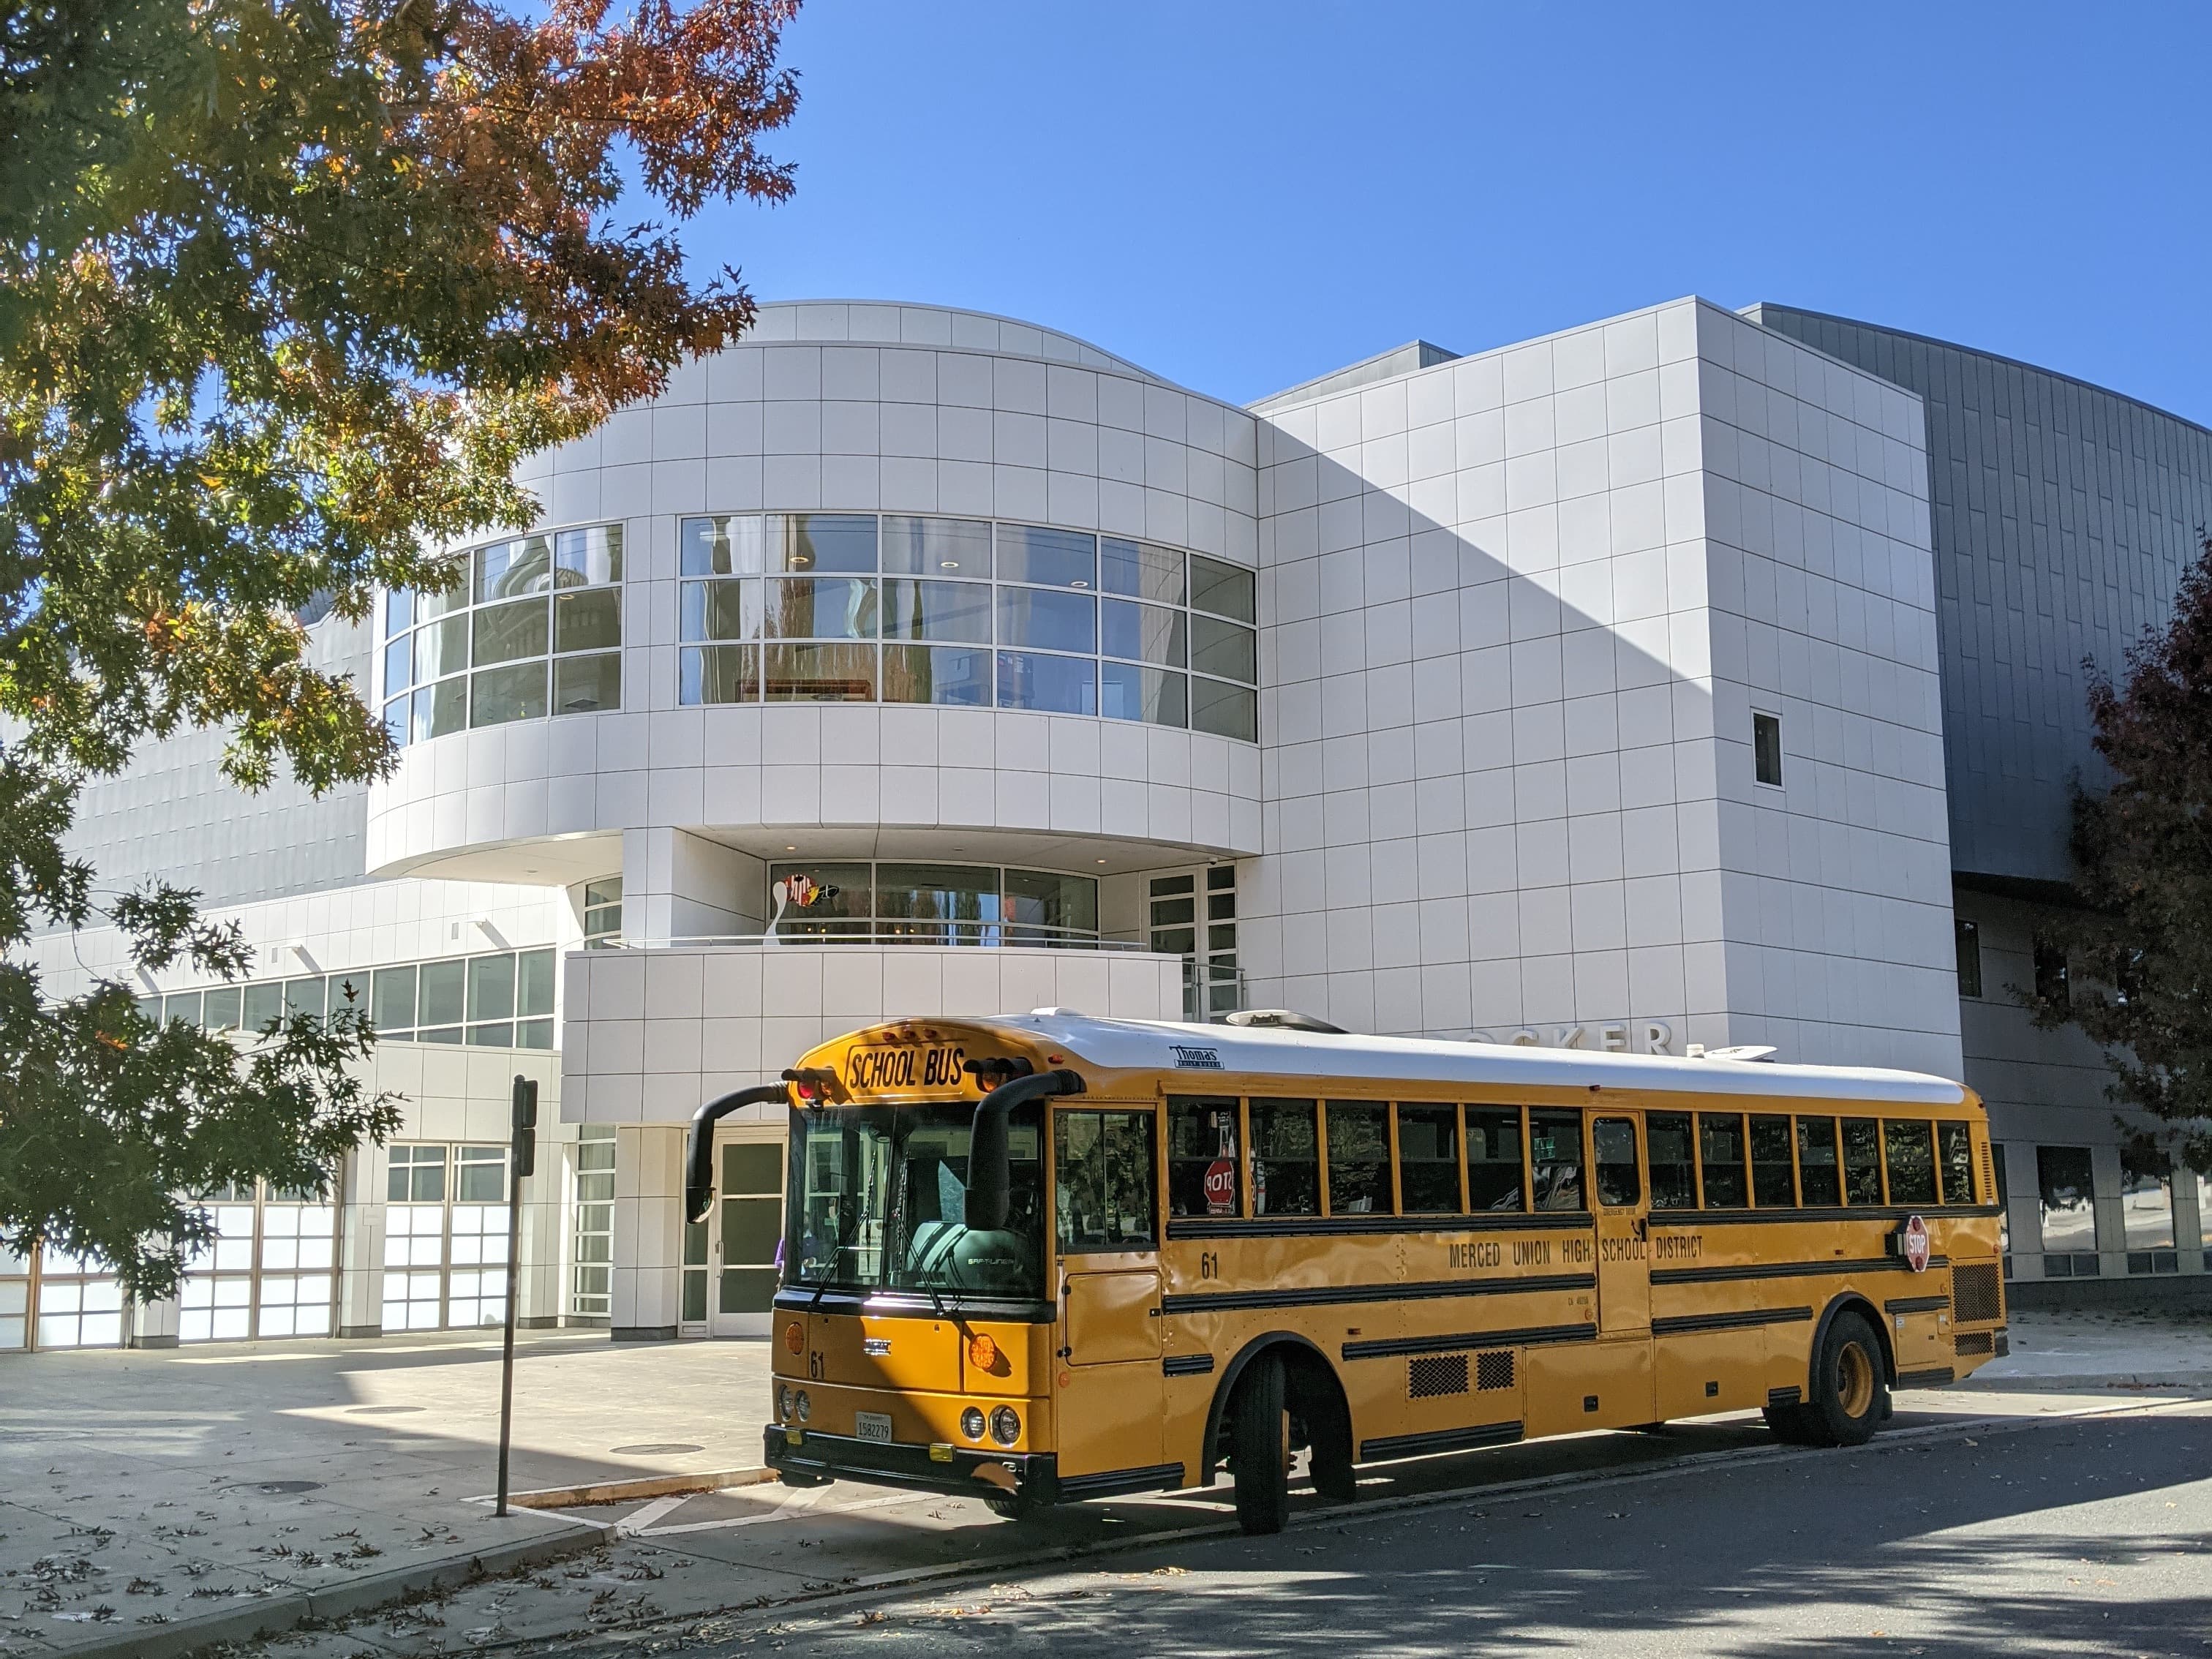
{"x": 1014, "y": 1506}
{"x": 1850, "y": 1392}
{"x": 1260, "y": 1445}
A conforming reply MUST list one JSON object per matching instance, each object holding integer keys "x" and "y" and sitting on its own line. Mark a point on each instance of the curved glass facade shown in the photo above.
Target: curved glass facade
{"x": 845, "y": 607}
{"x": 940, "y": 904}
{"x": 534, "y": 629}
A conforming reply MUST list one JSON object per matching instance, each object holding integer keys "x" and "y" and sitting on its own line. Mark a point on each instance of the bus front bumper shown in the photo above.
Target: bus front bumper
{"x": 1033, "y": 1477}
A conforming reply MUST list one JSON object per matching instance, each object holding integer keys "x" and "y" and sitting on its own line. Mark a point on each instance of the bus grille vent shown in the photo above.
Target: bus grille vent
{"x": 1989, "y": 1174}
{"x": 1433, "y": 1375}
{"x": 1971, "y": 1342}
{"x": 1976, "y": 1294}
{"x": 1494, "y": 1369}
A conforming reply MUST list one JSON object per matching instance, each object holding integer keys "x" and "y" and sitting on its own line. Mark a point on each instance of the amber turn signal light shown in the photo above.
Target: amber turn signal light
{"x": 983, "y": 1353}
{"x": 794, "y": 1337}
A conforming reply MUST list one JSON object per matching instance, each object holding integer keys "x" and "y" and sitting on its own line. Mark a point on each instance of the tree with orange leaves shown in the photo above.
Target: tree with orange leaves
{"x": 287, "y": 287}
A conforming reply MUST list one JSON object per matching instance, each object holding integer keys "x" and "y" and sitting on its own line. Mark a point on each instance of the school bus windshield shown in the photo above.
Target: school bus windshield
{"x": 880, "y": 1202}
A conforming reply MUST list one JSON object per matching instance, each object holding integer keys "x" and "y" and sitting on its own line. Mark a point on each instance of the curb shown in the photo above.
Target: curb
{"x": 276, "y": 1615}
{"x": 2084, "y": 1381}
{"x": 651, "y": 1485}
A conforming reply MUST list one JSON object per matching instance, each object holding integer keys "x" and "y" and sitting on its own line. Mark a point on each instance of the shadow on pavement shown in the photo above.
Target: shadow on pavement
{"x": 1960, "y": 1545}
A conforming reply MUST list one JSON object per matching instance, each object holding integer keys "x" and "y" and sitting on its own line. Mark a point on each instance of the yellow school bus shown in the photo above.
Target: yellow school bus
{"x": 1051, "y": 1257}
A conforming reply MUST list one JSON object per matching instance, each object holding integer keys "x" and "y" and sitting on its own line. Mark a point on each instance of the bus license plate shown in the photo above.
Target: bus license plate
{"x": 872, "y": 1425}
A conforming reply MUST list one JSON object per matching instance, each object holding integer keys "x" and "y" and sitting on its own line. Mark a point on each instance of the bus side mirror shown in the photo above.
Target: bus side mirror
{"x": 989, "y": 1174}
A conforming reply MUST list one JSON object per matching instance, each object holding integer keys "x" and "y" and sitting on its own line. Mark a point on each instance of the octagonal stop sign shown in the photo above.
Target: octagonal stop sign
{"x": 1916, "y": 1243}
{"x": 1221, "y": 1187}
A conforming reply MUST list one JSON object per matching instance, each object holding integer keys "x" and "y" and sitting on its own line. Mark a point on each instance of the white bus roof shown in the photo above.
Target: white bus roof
{"x": 1472, "y": 1068}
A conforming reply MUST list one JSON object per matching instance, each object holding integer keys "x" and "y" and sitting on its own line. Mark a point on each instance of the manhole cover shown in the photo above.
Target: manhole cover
{"x": 658, "y": 1449}
{"x": 379, "y": 1411}
{"x": 285, "y": 1488}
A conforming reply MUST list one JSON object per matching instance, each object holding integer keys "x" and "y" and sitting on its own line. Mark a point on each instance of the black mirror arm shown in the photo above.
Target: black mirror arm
{"x": 987, "y": 1151}
{"x": 699, "y": 1152}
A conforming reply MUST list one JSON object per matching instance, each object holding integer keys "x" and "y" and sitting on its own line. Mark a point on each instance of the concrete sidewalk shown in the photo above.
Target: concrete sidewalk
{"x": 152, "y": 1500}
{"x": 2095, "y": 1349}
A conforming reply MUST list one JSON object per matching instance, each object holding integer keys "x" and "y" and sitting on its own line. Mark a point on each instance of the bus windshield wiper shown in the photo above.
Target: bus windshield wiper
{"x": 844, "y": 1238}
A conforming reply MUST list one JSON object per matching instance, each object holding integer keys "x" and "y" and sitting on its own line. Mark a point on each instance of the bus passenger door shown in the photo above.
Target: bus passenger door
{"x": 1109, "y": 1396}
{"x": 1624, "y": 1384}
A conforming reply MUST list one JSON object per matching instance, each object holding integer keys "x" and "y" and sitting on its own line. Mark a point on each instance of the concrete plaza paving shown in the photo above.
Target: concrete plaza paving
{"x": 144, "y": 1494}
{"x": 144, "y": 1491}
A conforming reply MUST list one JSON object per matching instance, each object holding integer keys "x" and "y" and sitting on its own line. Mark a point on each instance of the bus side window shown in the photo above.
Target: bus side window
{"x": 1773, "y": 1186}
{"x": 1202, "y": 1133}
{"x": 1861, "y": 1161}
{"x": 1817, "y": 1170}
{"x": 1555, "y": 1153}
{"x": 1358, "y": 1157}
{"x": 1674, "y": 1169}
{"x": 1720, "y": 1157}
{"x": 1104, "y": 1164}
{"x": 1493, "y": 1160}
{"x": 1618, "y": 1180}
{"x": 1428, "y": 1159}
{"x": 1911, "y": 1151}
{"x": 1955, "y": 1142}
{"x": 1285, "y": 1158}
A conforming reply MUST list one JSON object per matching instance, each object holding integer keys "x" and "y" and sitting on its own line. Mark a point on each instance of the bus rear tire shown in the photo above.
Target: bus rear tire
{"x": 1850, "y": 1388}
{"x": 1259, "y": 1443}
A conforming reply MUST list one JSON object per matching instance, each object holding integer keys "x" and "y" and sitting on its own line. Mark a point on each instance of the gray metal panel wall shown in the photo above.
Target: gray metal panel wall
{"x": 2064, "y": 516}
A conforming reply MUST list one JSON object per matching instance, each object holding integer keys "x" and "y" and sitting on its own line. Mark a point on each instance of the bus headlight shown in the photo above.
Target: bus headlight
{"x": 1006, "y": 1425}
{"x": 806, "y": 1406}
{"x": 971, "y": 1422}
{"x": 783, "y": 1400}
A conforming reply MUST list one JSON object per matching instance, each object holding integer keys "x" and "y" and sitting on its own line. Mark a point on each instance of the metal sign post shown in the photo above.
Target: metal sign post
{"x": 522, "y": 1160}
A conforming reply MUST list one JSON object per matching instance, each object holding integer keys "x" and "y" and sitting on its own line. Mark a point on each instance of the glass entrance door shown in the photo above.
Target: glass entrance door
{"x": 748, "y": 1225}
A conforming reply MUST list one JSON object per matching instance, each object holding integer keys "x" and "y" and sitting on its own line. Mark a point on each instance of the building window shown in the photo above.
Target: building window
{"x": 934, "y": 905}
{"x": 2051, "y": 974}
{"x": 1967, "y": 942}
{"x": 476, "y": 1280}
{"x": 590, "y": 1287}
{"x": 2068, "y": 1212}
{"x": 532, "y": 627}
{"x": 603, "y": 913}
{"x": 80, "y": 1302}
{"x": 2146, "y": 1212}
{"x": 14, "y": 1299}
{"x": 1997, "y": 1151}
{"x": 1194, "y": 915}
{"x": 750, "y": 1226}
{"x": 269, "y": 1271}
{"x": 503, "y": 999}
{"x": 841, "y": 607}
{"x": 297, "y": 1292}
{"x": 215, "y": 1301}
{"x": 1766, "y": 749}
{"x": 445, "y": 1242}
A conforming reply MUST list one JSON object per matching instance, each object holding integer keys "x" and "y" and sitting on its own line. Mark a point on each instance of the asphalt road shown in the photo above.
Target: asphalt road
{"x": 2032, "y": 1537}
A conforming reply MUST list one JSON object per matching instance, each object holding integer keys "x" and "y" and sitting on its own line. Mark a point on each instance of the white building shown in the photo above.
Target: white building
{"x": 1583, "y": 692}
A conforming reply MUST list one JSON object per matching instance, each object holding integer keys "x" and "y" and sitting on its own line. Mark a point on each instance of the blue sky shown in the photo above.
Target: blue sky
{"x": 1243, "y": 196}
